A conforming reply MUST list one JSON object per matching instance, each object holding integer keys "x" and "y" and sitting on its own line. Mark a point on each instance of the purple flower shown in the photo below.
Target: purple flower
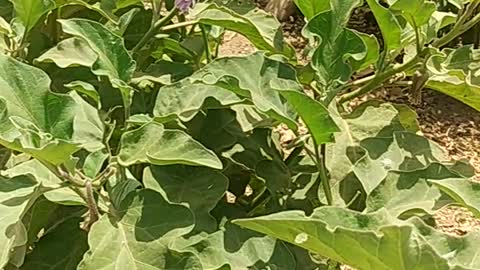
{"x": 184, "y": 5}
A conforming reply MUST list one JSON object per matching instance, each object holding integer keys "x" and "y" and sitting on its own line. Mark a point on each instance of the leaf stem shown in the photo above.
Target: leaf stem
{"x": 378, "y": 79}
{"x": 153, "y": 29}
{"x": 322, "y": 169}
{"x": 93, "y": 212}
{"x": 318, "y": 156}
{"x": 205, "y": 43}
{"x": 177, "y": 25}
{"x": 461, "y": 26}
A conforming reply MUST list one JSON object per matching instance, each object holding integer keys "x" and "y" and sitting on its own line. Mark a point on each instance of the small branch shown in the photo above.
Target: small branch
{"x": 205, "y": 43}
{"x": 463, "y": 25}
{"x": 93, "y": 213}
{"x": 418, "y": 37}
{"x": 153, "y": 29}
{"x": 319, "y": 159}
{"x": 177, "y": 25}
{"x": 378, "y": 80}
{"x": 325, "y": 181}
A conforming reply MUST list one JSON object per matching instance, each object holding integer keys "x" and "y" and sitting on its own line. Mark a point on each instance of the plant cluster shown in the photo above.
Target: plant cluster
{"x": 126, "y": 142}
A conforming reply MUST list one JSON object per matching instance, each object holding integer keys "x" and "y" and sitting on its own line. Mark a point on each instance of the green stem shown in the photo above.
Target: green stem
{"x": 322, "y": 169}
{"x": 378, "y": 79}
{"x": 461, "y": 26}
{"x": 177, "y": 25}
{"x": 206, "y": 44}
{"x": 181, "y": 19}
{"x": 217, "y": 47}
{"x": 153, "y": 29}
{"x": 318, "y": 157}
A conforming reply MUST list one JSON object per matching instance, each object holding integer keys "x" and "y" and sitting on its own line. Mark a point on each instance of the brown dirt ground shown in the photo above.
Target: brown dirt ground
{"x": 453, "y": 125}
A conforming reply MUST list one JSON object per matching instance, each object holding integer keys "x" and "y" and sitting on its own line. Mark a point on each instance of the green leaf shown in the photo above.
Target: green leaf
{"x": 140, "y": 236}
{"x": 154, "y": 144}
{"x": 120, "y": 185}
{"x": 113, "y": 59}
{"x": 69, "y": 53}
{"x": 201, "y": 188}
{"x": 114, "y": 5}
{"x": 60, "y": 249}
{"x": 416, "y": 12}
{"x": 43, "y": 124}
{"x": 217, "y": 129}
{"x": 37, "y": 218}
{"x": 93, "y": 163}
{"x": 276, "y": 176}
{"x": 391, "y": 30}
{"x": 54, "y": 193}
{"x": 401, "y": 192}
{"x": 376, "y": 138}
{"x": 371, "y": 55}
{"x": 405, "y": 151}
{"x": 255, "y": 77}
{"x": 262, "y": 29}
{"x": 373, "y": 241}
{"x": 30, "y": 11}
{"x": 311, "y": 8}
{"x": 337, "y": 45}
{"x": 164, "y": 72}
{"x": 465, "y": 193}
{"x": 86, "y": 89}
{"x": 17, "y": 194}
{"x": 455, "y": 72}
{"x": 184, "y": 100}
{"x": 237, "y": 248}
{"x": 314, "y": 114}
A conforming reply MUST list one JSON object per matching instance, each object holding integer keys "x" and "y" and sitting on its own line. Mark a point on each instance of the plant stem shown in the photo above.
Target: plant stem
{"x": 461, "y": 26}
{"x": 93, "y": 212}
{"x": 153, "y": 29}
{"x": 318, "y": 156}
{"x": 205, "y": 43}
{"x": 177, "y": 25}
{"x": 322, "y": 169}
{"x": 378, "y": 79}
{"x": 217, "y": 47}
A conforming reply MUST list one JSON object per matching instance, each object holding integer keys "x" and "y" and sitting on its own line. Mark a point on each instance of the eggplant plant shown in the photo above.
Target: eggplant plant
{"x": 128, "y": 142}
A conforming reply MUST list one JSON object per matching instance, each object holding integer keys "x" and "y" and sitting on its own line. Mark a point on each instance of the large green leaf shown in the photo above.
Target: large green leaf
{"x": 185, "y": 99}
{"x": 49, "y": 181}
{"x": 30, "y": 11}
{"x": 17, "y": 194}
{"x": 233, "y": 247}
{"x": 113, "y": 60}
{"x": 401, "y": 192}
{"x": 337, "y": 45}
{"x": 154, "y": 144}
{"x": 234, "y": 80}
{"x": 200, "y": 187}
{"x": 465, "y": 193}
{"x": 45, "y": 125}
{"x": 255, "y": 77}
{"x": 455, "y": 72}
{"x": 416, "y": 12}
{"x": 139, "y": 236}
{"x": 391, "y": 30}
{"x": 69, "y": 53}
{"x": 310, "y": 8}
{"x": 375, "y": 241}
{"x": 314, "y": 114}
{"x": 60, "y": 249}
{"x": 262, "y": 29}
{"x": 376, "y": 138}
{"x": 217, "y": 129}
